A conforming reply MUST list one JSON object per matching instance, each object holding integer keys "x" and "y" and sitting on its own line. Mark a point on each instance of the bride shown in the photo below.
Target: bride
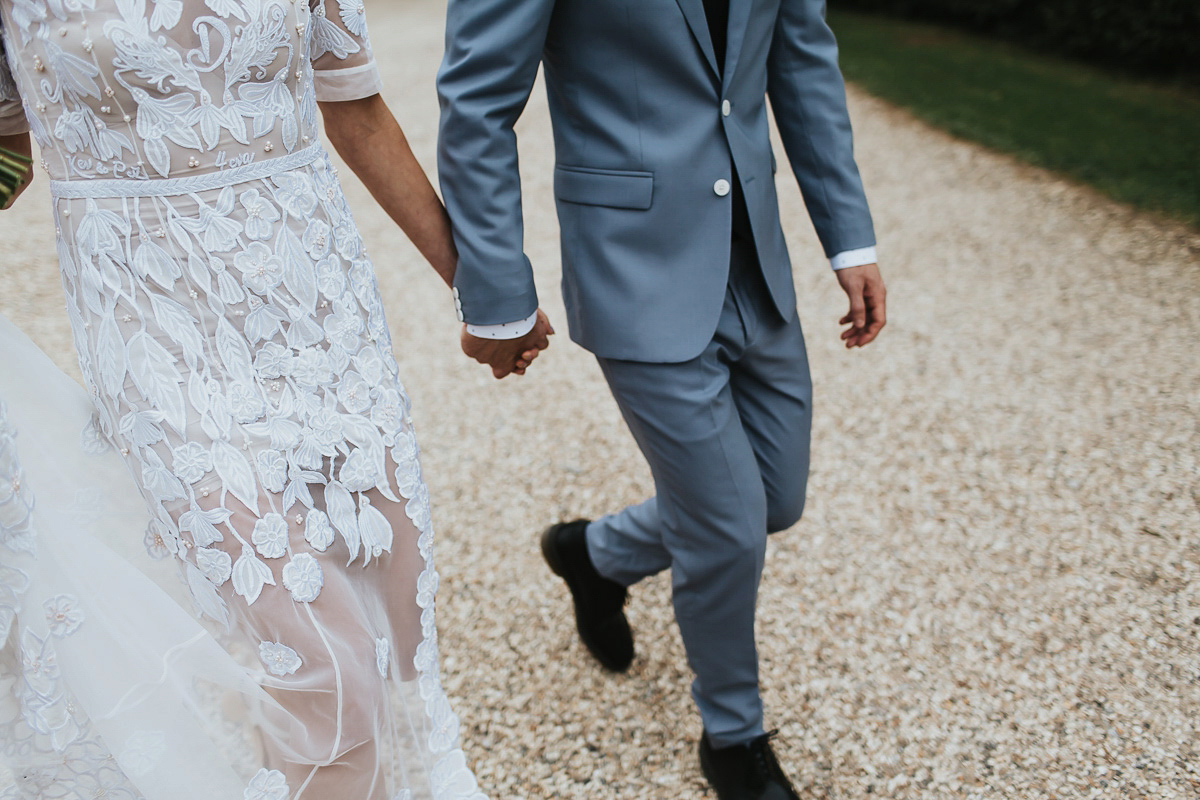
{"x": 233, "y": 343}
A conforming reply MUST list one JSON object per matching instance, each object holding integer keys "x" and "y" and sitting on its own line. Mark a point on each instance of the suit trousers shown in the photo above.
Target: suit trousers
{"x": 727, "y": 437}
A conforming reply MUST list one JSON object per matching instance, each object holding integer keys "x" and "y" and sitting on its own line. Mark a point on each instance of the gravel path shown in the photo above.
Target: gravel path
{"x": 995, "y": 592}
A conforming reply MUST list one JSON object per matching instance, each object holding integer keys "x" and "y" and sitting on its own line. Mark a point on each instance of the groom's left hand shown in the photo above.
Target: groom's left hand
{"x": 868, "y": 304}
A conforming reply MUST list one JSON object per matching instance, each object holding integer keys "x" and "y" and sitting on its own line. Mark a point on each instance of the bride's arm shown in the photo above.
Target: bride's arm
{"x": 370, "y": 141}
{"x": 19, "y": 144}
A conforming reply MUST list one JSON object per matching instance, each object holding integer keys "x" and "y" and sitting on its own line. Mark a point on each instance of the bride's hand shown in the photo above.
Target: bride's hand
{"x": 15, "y": 145}
{"x": 540, "y": 334}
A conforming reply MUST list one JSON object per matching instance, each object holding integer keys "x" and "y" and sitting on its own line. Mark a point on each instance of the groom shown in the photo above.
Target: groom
{"x": 676, "y": 277}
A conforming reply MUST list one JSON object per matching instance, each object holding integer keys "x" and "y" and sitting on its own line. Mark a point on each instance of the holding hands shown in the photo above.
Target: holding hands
{"x": 509, "y": 356}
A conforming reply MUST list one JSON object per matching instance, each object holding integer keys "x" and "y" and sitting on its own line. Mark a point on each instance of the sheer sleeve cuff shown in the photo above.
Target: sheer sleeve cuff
{"x": 12, "y": 119}
{"x": 351, "y": 83}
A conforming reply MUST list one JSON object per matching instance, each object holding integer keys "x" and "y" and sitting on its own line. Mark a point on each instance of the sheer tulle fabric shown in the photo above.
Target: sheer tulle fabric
{"x": 112, "y": 685}
{"x": 233, "y": 342}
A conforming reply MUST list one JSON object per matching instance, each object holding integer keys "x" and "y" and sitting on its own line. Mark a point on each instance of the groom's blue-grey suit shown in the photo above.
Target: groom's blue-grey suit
{"x": 694, "y": 326}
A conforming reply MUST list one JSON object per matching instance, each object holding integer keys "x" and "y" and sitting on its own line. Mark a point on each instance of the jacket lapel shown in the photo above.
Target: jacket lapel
{"x": 693, "y": 12}
{"x": 739, "y": 20}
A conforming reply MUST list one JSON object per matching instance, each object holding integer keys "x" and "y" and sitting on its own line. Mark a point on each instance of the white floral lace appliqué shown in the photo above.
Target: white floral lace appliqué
{"x": 278, "y": 658}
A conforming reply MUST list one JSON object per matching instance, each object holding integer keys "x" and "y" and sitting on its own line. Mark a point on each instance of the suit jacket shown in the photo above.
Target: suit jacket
{"x": 647, "y": 130}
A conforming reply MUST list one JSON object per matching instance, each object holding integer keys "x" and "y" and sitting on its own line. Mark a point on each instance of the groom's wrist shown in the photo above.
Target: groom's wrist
{"x": 507, "y": 330}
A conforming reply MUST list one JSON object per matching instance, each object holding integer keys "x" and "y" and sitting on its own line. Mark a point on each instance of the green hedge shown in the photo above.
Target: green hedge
{"x": 1160, "y": 37}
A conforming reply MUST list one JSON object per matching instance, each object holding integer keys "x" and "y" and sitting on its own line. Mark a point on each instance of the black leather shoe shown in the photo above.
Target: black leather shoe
{"x": 745, "y": 771}
{"x": 599, "y": 602}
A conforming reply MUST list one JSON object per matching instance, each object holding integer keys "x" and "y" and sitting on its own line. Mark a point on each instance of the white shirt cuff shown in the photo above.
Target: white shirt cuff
{"x": 507, "y": 330}
{"x": 854, "y": 258}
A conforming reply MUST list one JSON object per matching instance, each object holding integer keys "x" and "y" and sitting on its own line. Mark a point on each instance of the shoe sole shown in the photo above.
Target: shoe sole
{"x": 555, "y": 562}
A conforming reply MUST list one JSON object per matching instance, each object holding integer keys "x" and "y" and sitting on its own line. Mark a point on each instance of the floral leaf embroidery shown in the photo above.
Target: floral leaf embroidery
{"x": 142, "y": 428}
{"x": 236, "y": 473}
{"x": 234, "y": 352}
{"x": 206, "y": 596}
{"x": 203, "y": 524}
{"x": 110, "y": 357}
{"x": 250, "y": 575}
{"x": 329, "y": 38}
{"x": 375, "y": 529}
{"x": 382, "y": 652}
{"x": 166, "y": 14}
{"x": 299, "y": 276}
{"x": 354, "y": 17}
{"x": 159, "y": 155}
{"x": 157, "y": 378}
{"x": 151, "y": 260}
{"x": 158, "y": 480}
{"x": 227, "y": 8}
{"x": 74, "y": 74}
{"x": 175, "y": 320}
{"x": 341, "y": 513}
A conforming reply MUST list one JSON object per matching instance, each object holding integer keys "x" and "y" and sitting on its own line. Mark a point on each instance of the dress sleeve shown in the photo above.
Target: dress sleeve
{"x": 12, "y": 111}
{"x": 343, "y": 63}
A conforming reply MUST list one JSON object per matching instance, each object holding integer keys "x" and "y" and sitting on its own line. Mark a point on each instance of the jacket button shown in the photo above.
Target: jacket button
{"x": 721, "y": 188}
{"x": 726, "y": 108}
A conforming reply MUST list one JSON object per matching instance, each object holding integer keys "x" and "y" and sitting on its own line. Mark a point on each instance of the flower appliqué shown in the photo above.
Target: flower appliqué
{"x": 303, "y": 577}
{"x": 63, "y": 615}
{"x": 270, "y": 535}
{"x": 279, "y": 659}
{"x": 267, "y": 784}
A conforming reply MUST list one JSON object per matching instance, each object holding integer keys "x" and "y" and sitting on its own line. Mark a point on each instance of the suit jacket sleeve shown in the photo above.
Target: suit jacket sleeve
{"x": 808, "y": 97}
{"x": 493, "y": 49}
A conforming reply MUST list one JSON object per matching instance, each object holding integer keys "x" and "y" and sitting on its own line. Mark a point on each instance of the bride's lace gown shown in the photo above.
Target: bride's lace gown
{"x": 232, "y": 336}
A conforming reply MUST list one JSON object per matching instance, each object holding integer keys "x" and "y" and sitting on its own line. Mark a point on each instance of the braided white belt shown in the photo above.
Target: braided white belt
{"x": 167, "y": 187}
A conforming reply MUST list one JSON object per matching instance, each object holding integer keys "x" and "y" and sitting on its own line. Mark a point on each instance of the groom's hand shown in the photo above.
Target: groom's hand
{"x": 868, "y": 304}
{"x": 508, "y": 356}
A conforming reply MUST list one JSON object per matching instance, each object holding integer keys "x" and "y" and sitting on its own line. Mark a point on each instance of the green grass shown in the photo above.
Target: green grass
{"x": 1137, "y": 143}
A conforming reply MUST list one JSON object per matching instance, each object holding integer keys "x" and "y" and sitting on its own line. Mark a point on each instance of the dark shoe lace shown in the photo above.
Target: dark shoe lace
{"x": 765, "y": 766}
